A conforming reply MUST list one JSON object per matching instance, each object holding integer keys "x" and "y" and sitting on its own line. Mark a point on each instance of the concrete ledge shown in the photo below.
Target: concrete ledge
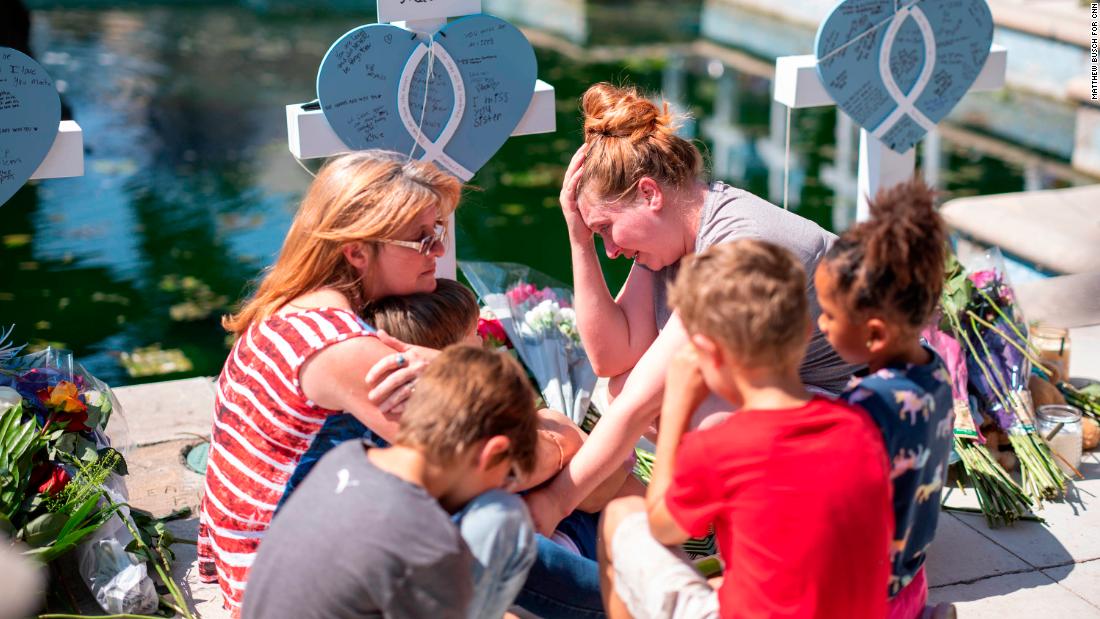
{"x": 1055, "y": 229}
{"x": 1066, "y": 301}
{"x": 1061, "y": 21}
{"x": 161, "y": 412}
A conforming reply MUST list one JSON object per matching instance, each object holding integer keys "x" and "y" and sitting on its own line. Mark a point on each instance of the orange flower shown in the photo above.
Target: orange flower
{"x": 64, "y": 399}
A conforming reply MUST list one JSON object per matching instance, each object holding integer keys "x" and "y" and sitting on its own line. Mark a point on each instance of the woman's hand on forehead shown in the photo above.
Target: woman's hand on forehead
{"x": 569, "y": 197}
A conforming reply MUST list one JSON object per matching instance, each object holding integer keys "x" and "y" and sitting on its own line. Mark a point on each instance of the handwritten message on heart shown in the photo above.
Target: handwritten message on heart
{"x": 899, "y": 67}
{"x": 454, "y": 99}
{"x": 30, "y": 111}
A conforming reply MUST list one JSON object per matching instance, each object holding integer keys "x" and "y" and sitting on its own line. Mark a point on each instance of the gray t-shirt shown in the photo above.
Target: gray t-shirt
{"x": 730, "y": 214}
{"x": 356, "y": 541}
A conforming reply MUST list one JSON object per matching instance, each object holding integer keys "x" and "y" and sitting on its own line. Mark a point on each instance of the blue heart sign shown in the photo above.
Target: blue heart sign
{"x": 454, "y": 99}
{"x": 30, "y": 111}
{"x": 899, "y": 67}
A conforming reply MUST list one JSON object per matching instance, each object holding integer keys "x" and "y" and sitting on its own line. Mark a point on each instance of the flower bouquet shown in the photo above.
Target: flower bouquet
{"x": 999, "y": 497}
{"x": 979, "y": 310}
{"x": 60, "y": 478}
{"x": 537, "y": 318}
{"x": 54, "y": 455}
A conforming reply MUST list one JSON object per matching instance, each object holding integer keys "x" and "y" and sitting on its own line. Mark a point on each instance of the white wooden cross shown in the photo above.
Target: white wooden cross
{"x": 797, "y": 85}
{"x": 66, "y": 157}
{"x": 310, "y": 136}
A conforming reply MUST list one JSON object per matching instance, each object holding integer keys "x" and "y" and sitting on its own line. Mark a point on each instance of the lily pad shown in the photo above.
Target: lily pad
{"x": 153, "y": 361}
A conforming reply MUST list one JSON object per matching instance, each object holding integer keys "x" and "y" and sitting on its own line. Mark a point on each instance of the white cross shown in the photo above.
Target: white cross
{"x": 310, "y": 136}
{"x": 66, "y": 157}
{"x": 797, "y": 85}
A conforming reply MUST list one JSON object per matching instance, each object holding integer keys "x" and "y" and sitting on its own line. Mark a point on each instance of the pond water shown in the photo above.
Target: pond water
{"x": 189, "y": 186}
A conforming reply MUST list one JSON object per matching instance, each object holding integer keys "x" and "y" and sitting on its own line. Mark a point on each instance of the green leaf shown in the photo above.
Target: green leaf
{"x": 33, "y": 502}
{"x": 22, "y": 439}
{"x": 82, "y": 513}
{"x": 120, "y": 462}
{"x": 179, "y": 514}
{"x": 141, "y": 517}
{"x": 7, "y": 419}
{"x": 139, "y": 549}
{"x": 85, "y": 449}
{"x": 66, "y": 443}
{"x": 99, "y": 408}
{"x": 18, "y": 439}
{"x": 44, "y": 529}
{"x": 69, "y": 540}
{"x": 61, "y": 546}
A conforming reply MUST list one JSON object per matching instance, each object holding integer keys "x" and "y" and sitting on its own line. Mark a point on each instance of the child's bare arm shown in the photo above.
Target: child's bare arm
{"x": 559, "y": 440}
{"x": 684, "y": 391}
{"x": 621, "y": 483}
{"x": 613, "y": 438}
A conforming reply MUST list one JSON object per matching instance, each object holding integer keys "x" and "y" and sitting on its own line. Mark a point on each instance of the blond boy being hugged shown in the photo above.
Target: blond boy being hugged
{"x": 795, "y": 486}
{"x": 372, "y": 531}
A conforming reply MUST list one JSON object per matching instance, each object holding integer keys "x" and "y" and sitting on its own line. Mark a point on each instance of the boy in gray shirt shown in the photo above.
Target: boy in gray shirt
{"x": 369, "y": 533}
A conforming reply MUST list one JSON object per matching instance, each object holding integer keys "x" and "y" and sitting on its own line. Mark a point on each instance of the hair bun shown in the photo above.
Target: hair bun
{"x": 611, "y": 111}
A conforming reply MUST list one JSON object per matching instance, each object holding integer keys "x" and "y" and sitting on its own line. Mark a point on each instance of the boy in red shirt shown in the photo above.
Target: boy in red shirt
{"x": 796, "y": 486}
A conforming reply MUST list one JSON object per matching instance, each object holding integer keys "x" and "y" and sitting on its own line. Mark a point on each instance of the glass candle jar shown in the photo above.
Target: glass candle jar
{"x": 1053, "y": 346}
{"x": 1060, "y": 425}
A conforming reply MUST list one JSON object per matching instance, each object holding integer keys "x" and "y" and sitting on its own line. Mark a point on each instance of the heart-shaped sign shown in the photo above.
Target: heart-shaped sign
{"x": 898, "y": 67}
{"x": 376, "y": 90}
{"x": 30, "y": 111}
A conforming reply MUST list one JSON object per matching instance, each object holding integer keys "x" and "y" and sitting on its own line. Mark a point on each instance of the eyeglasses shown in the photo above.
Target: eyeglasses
{"x": 425, "y": 245}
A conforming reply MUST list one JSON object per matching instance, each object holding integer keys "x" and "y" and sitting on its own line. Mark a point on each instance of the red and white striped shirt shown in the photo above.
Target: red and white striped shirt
{"x": 263, "y": 424}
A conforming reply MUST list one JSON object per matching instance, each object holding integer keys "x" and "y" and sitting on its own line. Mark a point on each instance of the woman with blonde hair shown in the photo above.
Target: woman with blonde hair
{"x": 639, "y": 186}
{"x": 370, "y": 226}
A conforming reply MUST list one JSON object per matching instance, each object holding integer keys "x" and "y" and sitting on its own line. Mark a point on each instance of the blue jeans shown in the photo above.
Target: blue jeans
{"x": 499, "y": 532}
{"x": 336, "y": 429}
{"x": 562, "y": 584}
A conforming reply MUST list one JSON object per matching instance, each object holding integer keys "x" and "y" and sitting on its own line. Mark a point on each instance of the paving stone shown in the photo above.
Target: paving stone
{"x": 1031, "y": 594}
{"x": 965, "y": 498}
{"x": 159, "y": 482}
{"x": 1090, "y": 468}
{"x": 204, "y": 599}
{"x": 1067, "y": 537}
{"x": 162, "y": 412}
{"x": 961, "y": 554}
{"x": 1081, "y": 578}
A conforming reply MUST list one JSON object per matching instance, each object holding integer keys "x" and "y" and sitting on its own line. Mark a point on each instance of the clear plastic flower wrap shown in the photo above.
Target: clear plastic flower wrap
{"x": 60, "y": 483}
{"x": 537, "y": 314}
{"x": 980, "y": 312}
